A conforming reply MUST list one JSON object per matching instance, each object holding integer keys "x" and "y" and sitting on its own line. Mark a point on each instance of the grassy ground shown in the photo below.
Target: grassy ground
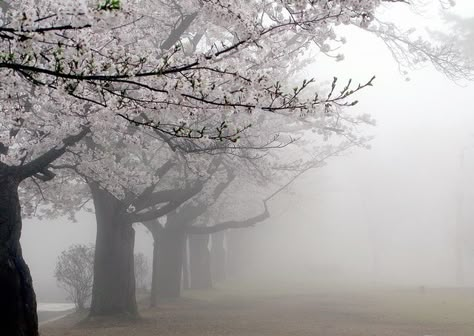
{"x": 253, "y": 311}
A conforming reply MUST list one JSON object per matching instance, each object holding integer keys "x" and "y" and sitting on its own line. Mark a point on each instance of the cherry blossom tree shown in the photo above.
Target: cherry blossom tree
{"x": 115, "y": 233}
{"x": 76, "y": 73}
{"x": 191, "y": 219}
{"x": 170, "y": 238}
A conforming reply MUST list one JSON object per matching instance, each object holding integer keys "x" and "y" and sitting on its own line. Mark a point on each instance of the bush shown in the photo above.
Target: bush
{"x": 75, "y": 272}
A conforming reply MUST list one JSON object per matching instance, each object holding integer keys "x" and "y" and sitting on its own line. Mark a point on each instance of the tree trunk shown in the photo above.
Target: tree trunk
{"x": 199, "y": 262}
{"x": 167, "y": 264}
{"x": 218, "y": 257}
{"x": 17, "y": 298}
{"x": 113, "y": 291}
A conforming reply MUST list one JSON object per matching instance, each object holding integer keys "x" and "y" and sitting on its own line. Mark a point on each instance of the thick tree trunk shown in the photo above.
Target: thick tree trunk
{"x": 113, "y": 290}
{"x": 167, "y": 264}
{"x": 218, "y": 257}
{"x": 17, "y": 297}
{"x": 199, "y": 262}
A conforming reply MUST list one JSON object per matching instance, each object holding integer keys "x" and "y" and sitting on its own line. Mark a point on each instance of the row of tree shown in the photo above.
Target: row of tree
{"x": 201, "y": 267}
{"x": 166, "y": 113}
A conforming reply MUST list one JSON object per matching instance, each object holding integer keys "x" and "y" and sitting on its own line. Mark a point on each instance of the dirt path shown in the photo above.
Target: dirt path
{"x": 334, "y": 314}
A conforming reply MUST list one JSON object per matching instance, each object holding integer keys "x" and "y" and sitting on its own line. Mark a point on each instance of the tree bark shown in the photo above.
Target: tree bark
{"x": 199, "y": 262}
{"x": 218, "y": 257}
{"x": 18, "y": 315}
{"x": 167, "y": 264}
{"x": 113, "y": 291}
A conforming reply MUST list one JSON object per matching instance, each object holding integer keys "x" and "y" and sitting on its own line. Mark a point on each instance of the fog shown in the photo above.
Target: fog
{"x": 392, "y": 215}
{"x": 399, "y": 213}
{"x": 396, "y": 214}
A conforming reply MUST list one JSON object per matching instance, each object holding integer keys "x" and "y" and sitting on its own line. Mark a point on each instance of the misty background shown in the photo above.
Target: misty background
{"x": 397, "y": 214}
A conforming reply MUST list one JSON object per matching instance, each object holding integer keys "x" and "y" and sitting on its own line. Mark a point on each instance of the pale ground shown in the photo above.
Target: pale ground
{"x": 263, "y": 312}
